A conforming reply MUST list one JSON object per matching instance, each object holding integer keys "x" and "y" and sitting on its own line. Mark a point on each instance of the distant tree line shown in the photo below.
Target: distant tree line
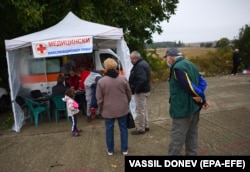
{"x": 206, "y": 45}
{"x": 165, "y": 44}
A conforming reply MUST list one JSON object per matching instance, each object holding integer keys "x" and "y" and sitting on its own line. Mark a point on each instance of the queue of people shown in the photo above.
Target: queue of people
{"x": 109, "y": 96}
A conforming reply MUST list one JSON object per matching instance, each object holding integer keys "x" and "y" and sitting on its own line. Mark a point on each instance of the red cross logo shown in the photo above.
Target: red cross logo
{"x": 41, "y": 49}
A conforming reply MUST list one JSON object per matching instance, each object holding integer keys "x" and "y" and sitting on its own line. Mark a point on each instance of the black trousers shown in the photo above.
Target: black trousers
{"x": 235, "y": 68}
{"x": 81, "y": 99}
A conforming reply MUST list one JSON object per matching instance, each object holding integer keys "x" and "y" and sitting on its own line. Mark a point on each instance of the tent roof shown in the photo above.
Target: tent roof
{"x": 71, "y": 26}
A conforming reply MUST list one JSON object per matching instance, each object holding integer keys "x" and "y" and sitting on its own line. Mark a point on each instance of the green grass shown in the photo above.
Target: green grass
{"x": 7, "y": 120}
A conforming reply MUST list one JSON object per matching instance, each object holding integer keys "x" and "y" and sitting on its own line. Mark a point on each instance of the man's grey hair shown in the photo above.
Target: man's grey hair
{"x": 177, "y": 57}
{"x": 135, "y": 54}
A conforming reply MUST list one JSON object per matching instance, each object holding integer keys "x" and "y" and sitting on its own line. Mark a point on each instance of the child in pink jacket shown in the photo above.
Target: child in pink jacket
{"x": 72, "y": 109}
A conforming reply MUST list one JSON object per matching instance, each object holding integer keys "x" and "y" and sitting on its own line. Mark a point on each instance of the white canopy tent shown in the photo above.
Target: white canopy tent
{"x": 71, "y": 26}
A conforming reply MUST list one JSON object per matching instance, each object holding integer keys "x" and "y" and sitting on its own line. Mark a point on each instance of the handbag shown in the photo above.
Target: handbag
{"x": 130, "y": 121}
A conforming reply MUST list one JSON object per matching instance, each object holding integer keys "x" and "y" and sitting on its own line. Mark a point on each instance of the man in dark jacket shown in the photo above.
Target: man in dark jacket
{"x": 59, "y": 88}
{"x": 139, "y": 81}
{"x": 236, "y": 61}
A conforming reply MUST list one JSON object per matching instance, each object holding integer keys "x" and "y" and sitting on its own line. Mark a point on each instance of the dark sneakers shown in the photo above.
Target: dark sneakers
{"x": 75, "y": 134}
{"x": 137, "y": 132}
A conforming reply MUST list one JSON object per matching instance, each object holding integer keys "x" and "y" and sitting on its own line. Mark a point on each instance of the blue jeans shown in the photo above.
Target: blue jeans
{"x": 109, "y": 123}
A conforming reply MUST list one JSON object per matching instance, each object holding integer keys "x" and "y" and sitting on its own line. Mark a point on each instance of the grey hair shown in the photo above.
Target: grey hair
{"x": 176, "y": 57}
{"x": 135, "y": 54}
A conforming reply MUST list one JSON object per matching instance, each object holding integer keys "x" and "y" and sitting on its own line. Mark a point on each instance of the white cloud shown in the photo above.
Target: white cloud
{"x": 205, "y": 20}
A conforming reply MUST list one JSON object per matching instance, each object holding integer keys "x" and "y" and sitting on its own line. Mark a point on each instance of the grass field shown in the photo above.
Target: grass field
{"x": 209, "y": 61}
{"x": 187, "y": 52}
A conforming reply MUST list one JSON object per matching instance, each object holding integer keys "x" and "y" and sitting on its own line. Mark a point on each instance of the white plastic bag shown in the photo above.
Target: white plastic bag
{"x": 132, "y": 106}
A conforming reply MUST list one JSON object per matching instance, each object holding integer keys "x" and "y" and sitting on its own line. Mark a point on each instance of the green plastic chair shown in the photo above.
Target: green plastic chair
{"x": 60, "y": 105}
{"x": 37, "y": 109}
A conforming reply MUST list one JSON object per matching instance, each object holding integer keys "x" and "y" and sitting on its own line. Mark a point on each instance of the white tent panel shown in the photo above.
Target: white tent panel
{"x": 18, "y": 51}
{"x": 70, "y": 26}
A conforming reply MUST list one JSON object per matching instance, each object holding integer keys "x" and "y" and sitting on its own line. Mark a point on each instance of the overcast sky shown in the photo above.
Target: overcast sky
{"x": 205, "y": 20}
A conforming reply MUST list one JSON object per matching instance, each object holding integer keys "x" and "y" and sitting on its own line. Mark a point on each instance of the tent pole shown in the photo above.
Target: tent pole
{"x": 11, "y": 93}
{"x": 45, "y": 74}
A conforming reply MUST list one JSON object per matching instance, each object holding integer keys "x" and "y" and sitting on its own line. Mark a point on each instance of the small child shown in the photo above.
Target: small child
{"x": 72, "y": 109}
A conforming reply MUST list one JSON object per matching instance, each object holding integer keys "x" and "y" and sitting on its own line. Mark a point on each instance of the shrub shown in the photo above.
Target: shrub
{"x": 211, "y": 63}
{"x": 7, "y": 120}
